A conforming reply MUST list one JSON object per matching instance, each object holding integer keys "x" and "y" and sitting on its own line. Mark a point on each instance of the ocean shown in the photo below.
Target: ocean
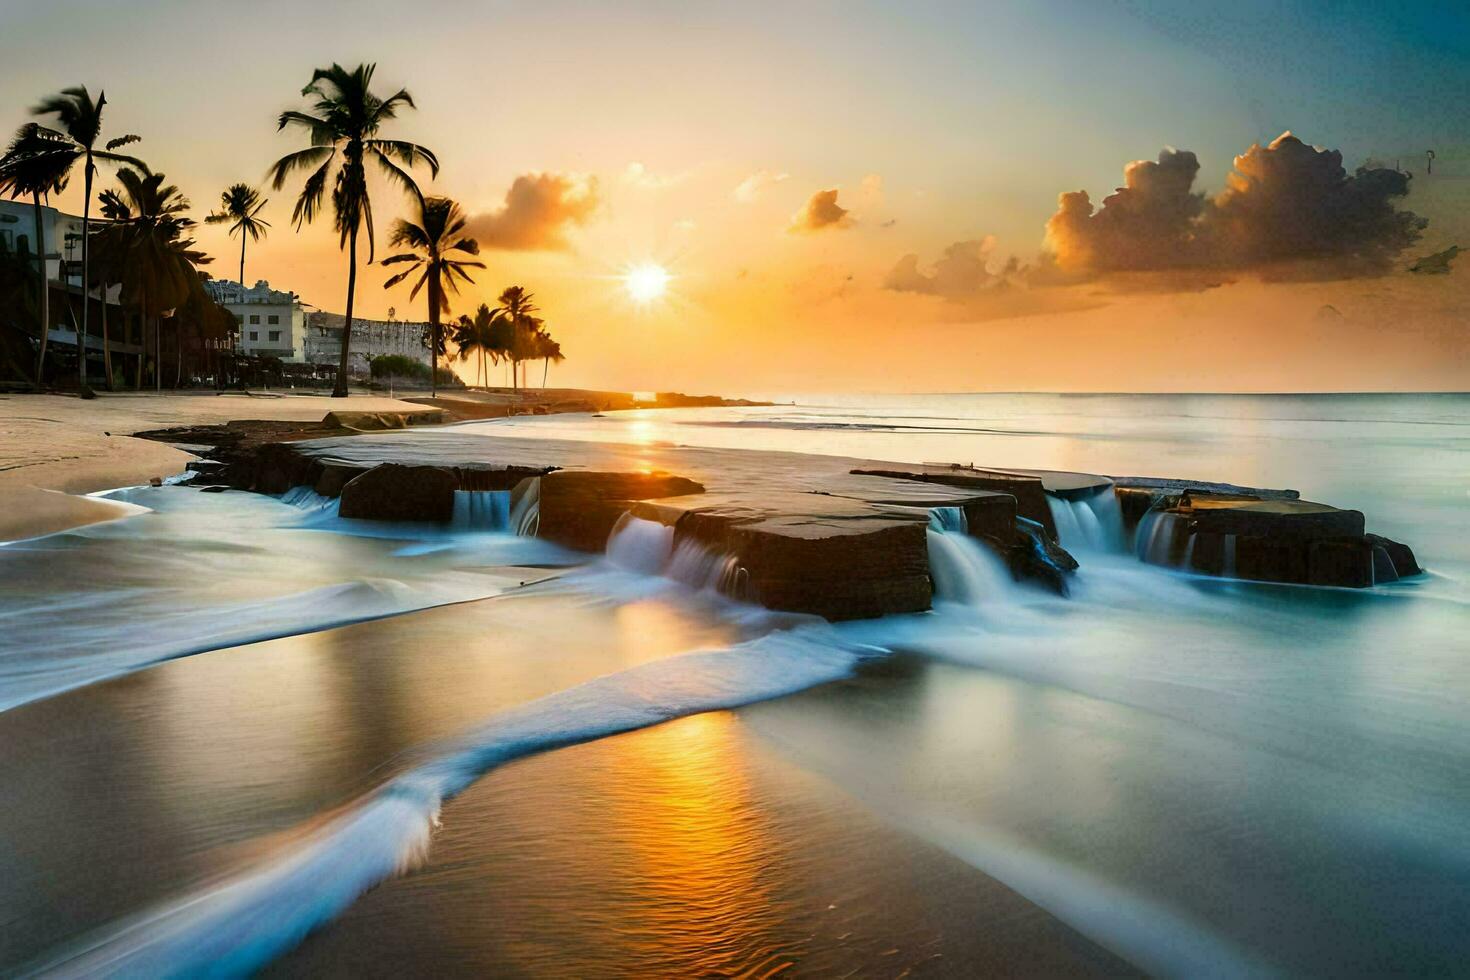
{"x": 227, "y": 718}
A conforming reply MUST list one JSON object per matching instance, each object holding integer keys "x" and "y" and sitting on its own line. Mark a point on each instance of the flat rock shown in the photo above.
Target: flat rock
{"x": 393, "y": 492}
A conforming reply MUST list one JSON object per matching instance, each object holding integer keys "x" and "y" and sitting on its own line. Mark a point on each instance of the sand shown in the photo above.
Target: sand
{"x": 63, "y": 443}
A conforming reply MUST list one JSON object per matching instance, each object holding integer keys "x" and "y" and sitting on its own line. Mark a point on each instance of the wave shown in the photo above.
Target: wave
{"x": 233, "y": 926}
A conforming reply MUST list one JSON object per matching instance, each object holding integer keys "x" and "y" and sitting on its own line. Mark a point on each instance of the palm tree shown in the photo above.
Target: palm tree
{"x": 240, "y": 204}
{"x": 36, "y": 164}
{"x": 80, "y": 122}
{"x": 346, "y": 122}
{"x": 434, "y": 240}
{"x": 147, "y": 229}
{"x": 475, "y": 336}
{"x": 550, "y": 351}
{"x": 517, "y": 307}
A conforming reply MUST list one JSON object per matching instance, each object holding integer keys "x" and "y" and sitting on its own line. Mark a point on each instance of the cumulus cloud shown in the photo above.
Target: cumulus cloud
{"x": 1147, "y": 223}
{"x": 1288, "y": 209}
{"x": 821, "y": 211}
{"x": 749, "y": 190}
{"x": 961, "y": 272}
{"x": 539, "y": 209}
{"x": 1293, "y": 201}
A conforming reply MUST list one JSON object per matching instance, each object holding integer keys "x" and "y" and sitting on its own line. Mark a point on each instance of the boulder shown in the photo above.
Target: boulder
{"x": 393, "y": 492}
{"x": 1399, "y": 556}
{"x": 334, "y": 476}
{"x": 579, "y": 507}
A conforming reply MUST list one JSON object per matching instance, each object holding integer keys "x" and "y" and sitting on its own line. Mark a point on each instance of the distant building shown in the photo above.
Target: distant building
{"x": 370, "y": 339}
{"x": 272, "y": 321}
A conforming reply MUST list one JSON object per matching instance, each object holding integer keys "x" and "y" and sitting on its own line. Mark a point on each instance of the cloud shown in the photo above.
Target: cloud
{"x": 963, "y": 271}
{"x": 749, "y": 190}
{"x": 870, "y": 192}
{"x": 821, "y": 211}
{"x": 1146, "y": 224}
{"x": 539, "y": 209}
{"x": 637, "y": 175}
{"x": 1288, "y": 210}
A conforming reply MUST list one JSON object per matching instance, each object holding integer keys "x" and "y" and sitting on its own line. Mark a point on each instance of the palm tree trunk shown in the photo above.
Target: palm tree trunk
{"x": 158, "y": 353}
{"x": 433, "y": 334}
{"x": 106, "y": 348}
{"x": 340, "y": 390}
{"x": 545, "y": 366}
{"x": 86, "y": 283}
{"x": 178, "y": 351}
{"x": 242, "y": 259}
{"x": 45, "y": 296}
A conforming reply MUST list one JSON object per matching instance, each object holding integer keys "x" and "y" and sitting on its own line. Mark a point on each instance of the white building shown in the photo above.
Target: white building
{"x": 272, "y": 322}
{"x": 63, "y": 233}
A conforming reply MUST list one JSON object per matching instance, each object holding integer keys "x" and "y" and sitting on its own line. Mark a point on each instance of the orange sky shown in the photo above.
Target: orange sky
{"x": 710, "y": 140}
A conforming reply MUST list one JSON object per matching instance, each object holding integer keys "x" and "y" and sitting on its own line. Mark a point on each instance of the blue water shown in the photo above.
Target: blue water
{"x": 1203, "y": 777}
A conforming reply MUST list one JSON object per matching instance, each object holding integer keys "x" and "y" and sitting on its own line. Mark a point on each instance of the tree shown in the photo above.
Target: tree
{"x": 549, "y": 350}
{"x": 517, "y": 308}
{"x": 36, "y": 164}
{"x": 158, "y": 262}
{"x": 343, "y": 132}
{"x": 240, "y": 205}
{"x": 80, "y": 122}
{"x": 436, "y": 240}
{"x": 475, "y": 336}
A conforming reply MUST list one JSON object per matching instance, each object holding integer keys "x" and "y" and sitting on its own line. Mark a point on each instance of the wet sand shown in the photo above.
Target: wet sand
{"x": 689, "y": 848}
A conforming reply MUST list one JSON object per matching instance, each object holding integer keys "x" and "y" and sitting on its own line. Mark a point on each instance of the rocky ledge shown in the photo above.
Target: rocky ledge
{"x": 841, "y": 538}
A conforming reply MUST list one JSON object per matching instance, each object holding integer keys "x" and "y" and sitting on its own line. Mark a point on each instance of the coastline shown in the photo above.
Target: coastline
{"x": 55, "y": 448}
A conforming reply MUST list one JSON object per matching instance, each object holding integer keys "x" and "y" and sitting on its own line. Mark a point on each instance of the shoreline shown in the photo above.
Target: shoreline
{"x": 56, "y": 447}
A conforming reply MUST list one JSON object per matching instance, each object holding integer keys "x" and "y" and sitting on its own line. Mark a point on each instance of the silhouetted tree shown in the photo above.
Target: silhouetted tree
{"x": 434, "y": 239}
{"x": 36, "y": 164}
{"x": 343, "y": 130}
{"x": 158, "y": 262}
{"x": 80, "y": 122}
{"x": 240, "y": 205}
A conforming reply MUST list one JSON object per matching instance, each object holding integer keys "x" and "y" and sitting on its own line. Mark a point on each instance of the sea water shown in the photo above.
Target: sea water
{"x": 1199, "y": 776}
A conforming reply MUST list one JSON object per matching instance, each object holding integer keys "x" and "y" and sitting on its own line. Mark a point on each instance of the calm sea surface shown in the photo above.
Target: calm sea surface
{"x": 592, "y": 770}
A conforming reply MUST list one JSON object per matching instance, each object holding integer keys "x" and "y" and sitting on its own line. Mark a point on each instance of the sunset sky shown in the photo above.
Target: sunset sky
{"x": 836, "y": 188}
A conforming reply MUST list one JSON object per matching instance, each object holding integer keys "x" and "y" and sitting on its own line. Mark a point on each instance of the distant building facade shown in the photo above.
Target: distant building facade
{"x": 272, "y": 322}
{"x": 370, "y": 339}
{"x": 63, "y": 233}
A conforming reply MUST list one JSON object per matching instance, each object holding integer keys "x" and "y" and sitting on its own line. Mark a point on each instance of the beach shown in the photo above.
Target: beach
{"x": 56, "y": 447}
{"x": 314, "y": 745}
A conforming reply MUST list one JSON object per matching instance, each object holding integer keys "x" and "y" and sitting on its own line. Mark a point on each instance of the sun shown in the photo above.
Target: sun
{"x": 646, "y": 283}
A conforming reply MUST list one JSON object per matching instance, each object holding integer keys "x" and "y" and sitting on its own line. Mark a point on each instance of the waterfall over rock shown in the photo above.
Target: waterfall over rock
{"x": 965, "y": 571}
{"x": 481, "y": 510}
{"x": 647, "y": 547}
{"x": 1090, "y": 523}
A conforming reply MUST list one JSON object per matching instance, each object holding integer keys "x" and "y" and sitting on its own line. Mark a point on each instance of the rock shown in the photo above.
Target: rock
{"x": 275, "y": 468}
{"x": 1399, "y": 556}
{"x": 1035, "y": 554}
{"x": 381, "y": 421}
{"x": 857, "y": 570}
{"x": 214, "y": 488}
{"x": 496, "y": 477}
{"x": 334, "y": 476}
{"x": 394, "y": 492}
{"x": 579, "y": 507}
{"x": 1028, "y": 490}
{"x": 155, "y": 481}
{"x": 1274, "y": 518}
